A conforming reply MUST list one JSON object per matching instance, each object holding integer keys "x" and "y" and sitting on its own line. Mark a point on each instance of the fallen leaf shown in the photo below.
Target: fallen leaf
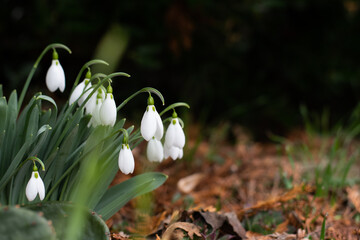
{"x": 236, "y": 225}
{"x": 120, "y": 235}
{"x": 354, "y": 197}
{"x": 188, "y": 184}
{"x": 275, "y": 201}
{"x": 171, "y": 232}
{"x": 218, "y": 221}
{"x": 282, "y": 227}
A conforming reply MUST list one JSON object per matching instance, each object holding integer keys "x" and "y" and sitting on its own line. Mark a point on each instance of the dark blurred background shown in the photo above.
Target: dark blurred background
{"x": 250, "y": 62}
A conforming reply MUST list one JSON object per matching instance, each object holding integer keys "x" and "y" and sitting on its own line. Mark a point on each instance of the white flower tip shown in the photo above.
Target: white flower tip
{"x": 35, "y": 186}
{"x": 55, "y": 77}
{"x": 126, "y": 160}
{"x": 108, "y": 111}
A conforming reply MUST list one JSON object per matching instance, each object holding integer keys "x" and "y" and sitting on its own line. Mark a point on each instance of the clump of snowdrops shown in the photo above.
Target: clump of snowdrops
{"x": 74, "y": 153}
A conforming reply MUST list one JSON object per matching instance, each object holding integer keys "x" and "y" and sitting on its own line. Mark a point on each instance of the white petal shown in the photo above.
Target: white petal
{"x": 31, "y": 188}
{"x": 179, "y": 135}
{"x": 90, "y": 105}
{"x": 170, "y": 135}
{"x": 108, "y": 111}
{"x": 55, "y": 77}
{"x": 95, "y": 120}
{"x": 86, "y": 92}
{"x": 148, "y": 123}
{"x": 155, "y": 151}
{"x": 40, "y": 187}
{"x": 130, "y": 159}
{"x": 174, "y": 152}
{"x": 159, "y": 127}
{"x": 166, "y": 152}
{"x": 181, "y": 153}
{"x": 77, "y": 92}
{"x": 126, "y": 160}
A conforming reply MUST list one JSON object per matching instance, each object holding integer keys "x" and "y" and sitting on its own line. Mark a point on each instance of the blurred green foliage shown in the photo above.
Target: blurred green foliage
{"x": 252, "y": 62}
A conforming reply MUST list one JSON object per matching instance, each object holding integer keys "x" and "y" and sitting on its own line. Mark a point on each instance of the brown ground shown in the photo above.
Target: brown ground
{"x": 218, "y": 190}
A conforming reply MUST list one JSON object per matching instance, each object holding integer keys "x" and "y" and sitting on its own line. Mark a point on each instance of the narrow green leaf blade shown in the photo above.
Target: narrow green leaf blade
{"x": 117, "y": 196}
{"x": 47, "y": 98}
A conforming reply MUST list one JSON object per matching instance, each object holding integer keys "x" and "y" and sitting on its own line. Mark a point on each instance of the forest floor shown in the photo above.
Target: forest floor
{"x": 303, "y": 187}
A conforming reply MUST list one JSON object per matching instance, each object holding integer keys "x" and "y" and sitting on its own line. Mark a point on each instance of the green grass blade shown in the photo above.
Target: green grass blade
{"x": 323, "y": 229}
{"x": 10, "y": 126}
{"x": 3, "y": 113}
{"x": 117, "y": 196}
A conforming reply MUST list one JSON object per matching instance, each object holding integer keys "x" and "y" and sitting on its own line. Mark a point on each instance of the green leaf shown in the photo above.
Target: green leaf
{"x": 60, "y": 214}
{"x": 31, "y": 128}
{"x": 117, "y": 196}
{"x": 20, "y": 223}
{"x": 174, "y": 105}
{"x": 47, "y": 98}
{"x": 3, "y": 111}
{"x": 323, "y": 229}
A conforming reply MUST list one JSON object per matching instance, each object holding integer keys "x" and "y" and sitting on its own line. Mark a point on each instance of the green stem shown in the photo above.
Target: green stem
{"x": 86, "y": 66}
{"x": 174, "y": 105}
{"x": 37, "y": 160}
{"x": 97, "y": 86}
{"x": 31, "y": 74}
{"x": 146, "y": 89}
{"x": 126, "y": 135}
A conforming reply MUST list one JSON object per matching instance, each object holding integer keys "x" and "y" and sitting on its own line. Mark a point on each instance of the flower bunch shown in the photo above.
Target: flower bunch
{"x": 152, "y": 130}
{"x": 79, "y": 144}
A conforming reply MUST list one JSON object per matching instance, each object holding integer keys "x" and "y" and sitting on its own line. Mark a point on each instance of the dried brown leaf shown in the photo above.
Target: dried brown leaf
{"x": 218, "y": 220}
{"x": 236, "y": 225}
{"x": 276, "y": 201}
{"x": 188, "y": 184}
{"x": 354, "y": 196}
{"x": 120, "y": 235}
{"x": 282, "y": 227}
{"x": 171, "y": 232}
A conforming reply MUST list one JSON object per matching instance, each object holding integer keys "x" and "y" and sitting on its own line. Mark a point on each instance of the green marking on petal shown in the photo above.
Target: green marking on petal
{"x": 153, "y": 108}
{"x": 36, "y": 175}
{"x": 174, "y": 121}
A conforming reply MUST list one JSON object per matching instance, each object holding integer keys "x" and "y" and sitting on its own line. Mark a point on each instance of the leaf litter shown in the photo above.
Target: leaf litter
{"x": 243, "y": 191}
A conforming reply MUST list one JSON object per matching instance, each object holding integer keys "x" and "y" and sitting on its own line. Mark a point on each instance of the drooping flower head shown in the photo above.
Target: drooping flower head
{"x": 95, "y": 109}
{"x": 35, "y": 186}
{"x": 83, "y": 87}
{"x": 174, "y": 139}
{"x": 155, "y": 150}
{"x": 108, "y": 111}
{"x": 55, "y": 76}
{"x": 151, "y": 124}
{"x": 126, "y": 159}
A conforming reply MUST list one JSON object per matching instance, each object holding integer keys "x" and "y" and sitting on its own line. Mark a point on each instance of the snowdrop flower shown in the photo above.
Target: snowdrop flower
{"x": 91, "y": 104}
{"x": 155, "y": 150}
{"x": 95, "y": 119}
{"x": 151, "y": 124}
{"x": 84, "y": 86}
{"x": 55, "y": 76}
{"x": 174, "y": 139}
{"x": 35, "y": 186}
{"x": 108, "y": 109}
{"x": 126, "y": 159}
